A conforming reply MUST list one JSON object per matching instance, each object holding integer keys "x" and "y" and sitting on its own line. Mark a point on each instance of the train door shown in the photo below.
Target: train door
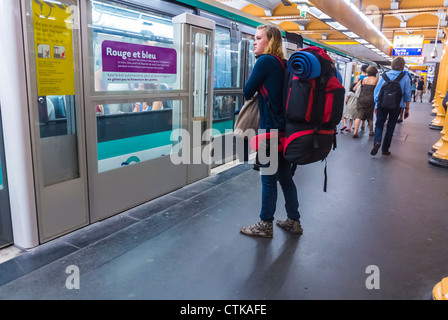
{"x": 230, "y": 52}
{"x": 227, "y": 95}
{"x": 5, "y": 213}
{"x": 199, "y": 116}
{"x": 56, "y": 113}
{"x": 146, "y": 100}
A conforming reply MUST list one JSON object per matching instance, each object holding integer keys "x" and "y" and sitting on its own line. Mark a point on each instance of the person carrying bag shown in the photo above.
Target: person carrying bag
{"x": 268, "y": 73}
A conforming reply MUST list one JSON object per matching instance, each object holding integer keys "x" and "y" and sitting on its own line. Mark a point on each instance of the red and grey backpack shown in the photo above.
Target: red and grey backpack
{"x": 313, "y": 108}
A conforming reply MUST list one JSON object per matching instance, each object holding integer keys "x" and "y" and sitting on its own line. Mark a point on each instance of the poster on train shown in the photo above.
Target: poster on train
{"x": 53, "y": 39}
{"x": 129, "y": 63}
{"x": 408, "y": 45}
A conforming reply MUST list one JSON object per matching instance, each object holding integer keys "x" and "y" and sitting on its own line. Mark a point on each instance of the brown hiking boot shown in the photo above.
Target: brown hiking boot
{"x": 292, "y": 226}
{"x": 260, "y": 229}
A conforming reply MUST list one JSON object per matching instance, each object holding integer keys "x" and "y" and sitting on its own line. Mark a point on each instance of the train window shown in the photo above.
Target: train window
{"x": 226, "y": 61}
{"x": 341, "y": 67}
{"x": 142, "y": 133}
{"x": 247, "y": 50}
{"x": 224, "y": 107}
{"x": 131, "y": 49}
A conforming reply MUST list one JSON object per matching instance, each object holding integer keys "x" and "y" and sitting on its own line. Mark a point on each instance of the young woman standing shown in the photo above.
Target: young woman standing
{"x": 269, "y": 72}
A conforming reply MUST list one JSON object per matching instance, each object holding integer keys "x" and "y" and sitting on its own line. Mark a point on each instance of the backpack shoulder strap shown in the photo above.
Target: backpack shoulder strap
{"x": 385, "y": 77}
{"x": 282, "y": 62}
{"x": 400, "y": 76}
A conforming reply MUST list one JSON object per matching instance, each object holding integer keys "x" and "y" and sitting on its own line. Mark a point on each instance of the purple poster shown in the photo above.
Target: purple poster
{"x": 128, "y": 62}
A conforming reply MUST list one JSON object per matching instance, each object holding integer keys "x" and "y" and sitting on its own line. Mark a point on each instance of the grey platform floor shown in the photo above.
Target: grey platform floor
{"x": 390, "y": 212}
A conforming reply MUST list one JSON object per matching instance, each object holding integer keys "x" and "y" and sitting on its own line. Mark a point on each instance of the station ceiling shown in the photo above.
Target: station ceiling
{"x": 390, "y": 17}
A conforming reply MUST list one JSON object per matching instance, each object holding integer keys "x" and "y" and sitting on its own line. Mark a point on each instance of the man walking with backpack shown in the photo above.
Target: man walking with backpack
{"x": 392, "y": 93}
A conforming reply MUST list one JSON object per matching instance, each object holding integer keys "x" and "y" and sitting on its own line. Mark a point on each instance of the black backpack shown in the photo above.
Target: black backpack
{"x": 390, "y": 94}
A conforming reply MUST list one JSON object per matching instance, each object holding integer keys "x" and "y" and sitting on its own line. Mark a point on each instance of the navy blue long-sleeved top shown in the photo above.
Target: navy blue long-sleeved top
{"x": 268, "y": 71}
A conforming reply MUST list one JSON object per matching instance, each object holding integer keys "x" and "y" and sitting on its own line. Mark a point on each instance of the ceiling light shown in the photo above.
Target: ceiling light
{"x": 301, "y": 2}
{"x": 351, "y": 34}
{"x": 368, "y": 21}
{"x": 318, "y": 14}
{"x": 394, "y": 5}
{"x": 336, "y": 25}
{"x": 361, "y": 41}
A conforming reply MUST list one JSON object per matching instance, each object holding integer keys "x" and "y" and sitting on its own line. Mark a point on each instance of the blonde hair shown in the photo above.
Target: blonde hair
{"x": 275, "y": 45}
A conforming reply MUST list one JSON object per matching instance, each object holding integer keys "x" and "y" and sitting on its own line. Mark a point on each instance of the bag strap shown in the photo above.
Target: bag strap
{"x": 385, "y": 77}
{"x": 282, "y": 62}
{"x": 400, "y": 76}
{"x": 397, "y": 79}
{"x": 265, "y": 96}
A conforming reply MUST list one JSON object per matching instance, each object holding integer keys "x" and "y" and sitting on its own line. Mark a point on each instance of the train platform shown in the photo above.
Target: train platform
{"x": 383, "y": 221}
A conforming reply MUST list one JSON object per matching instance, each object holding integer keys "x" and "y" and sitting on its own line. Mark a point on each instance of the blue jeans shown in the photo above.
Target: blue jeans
{"x": 381, "y": 117}
{"x": 269, "y": 192}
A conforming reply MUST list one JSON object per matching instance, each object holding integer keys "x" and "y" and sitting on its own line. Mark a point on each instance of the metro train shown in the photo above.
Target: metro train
{"x": 233, "y": 62}
{"x": 100, "y": 134}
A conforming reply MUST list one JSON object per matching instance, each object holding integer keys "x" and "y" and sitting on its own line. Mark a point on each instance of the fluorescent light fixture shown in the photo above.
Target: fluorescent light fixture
{"x": 300, "y": 1}
{"x": 361, "y": 41}
{"x": 351, "y": 34}
{"x": 370, "y": 46}
{"x": 367, "y": 20}
{"x": 336, "y": 25}
{"x": 318, "y": 14}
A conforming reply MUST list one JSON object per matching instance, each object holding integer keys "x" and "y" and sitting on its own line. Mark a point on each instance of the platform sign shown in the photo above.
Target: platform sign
{"x": 127, "y": 63}
{"x": 408, "y": 45}
{"x": 53, "y": 39}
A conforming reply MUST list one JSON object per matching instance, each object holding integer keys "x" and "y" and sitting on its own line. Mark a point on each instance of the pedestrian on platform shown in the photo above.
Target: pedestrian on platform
{"x": 358, "y": 78}
{"x": 392, "y": 115}
{"x": 268, "y": 71}
{"x": 413, "y": 88}
{"x": 366, "y": 103}
{"x": 420, "y": 88}
{"x": 363, "y": 73}
{"x": 350, "y": 109}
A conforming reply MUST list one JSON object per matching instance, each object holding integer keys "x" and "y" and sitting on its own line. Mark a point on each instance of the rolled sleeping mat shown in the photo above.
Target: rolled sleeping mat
{"x": 304, "y": 65}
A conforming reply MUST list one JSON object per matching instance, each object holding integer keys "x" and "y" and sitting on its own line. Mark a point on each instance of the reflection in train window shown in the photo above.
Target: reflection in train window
{"x": 59, "y": 140}
{"x": 247, "y": 51}
{"x": 223, "y": 70}
{"x": 56, "y": 116}
{"x": 227, "y": 64}
{"x": 132, "y": 50}
{"x": 140, "y": 134}
{"x": 224, "y": 107}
